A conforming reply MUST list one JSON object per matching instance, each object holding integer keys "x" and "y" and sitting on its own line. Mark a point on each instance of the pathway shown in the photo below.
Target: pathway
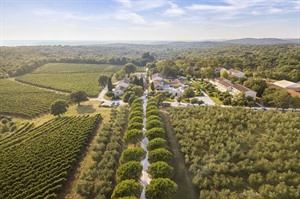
{"x": 145, "y": 179}
{"x": 37, "y": 86}
{"x": 100, "y": 98}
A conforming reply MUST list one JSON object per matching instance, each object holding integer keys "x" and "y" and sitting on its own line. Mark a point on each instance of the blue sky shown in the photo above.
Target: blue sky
{"x": 148, "y": 19}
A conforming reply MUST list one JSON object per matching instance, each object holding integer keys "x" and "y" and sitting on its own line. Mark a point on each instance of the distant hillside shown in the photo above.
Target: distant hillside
{"x": 171, "y": 45}
{"x": 296, "y": 41}
{"x": 261, "y": 41}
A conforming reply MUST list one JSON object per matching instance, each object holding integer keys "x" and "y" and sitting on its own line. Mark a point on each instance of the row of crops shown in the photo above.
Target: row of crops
{"x": 25, "y": 101}
{"x": 160, "y": 169}
{"x": 160, "y": 158}
{"x": 240, "y": 153}
{"x": 130, "y": 168}
{"x": 70, "y": 77}
{"x": 98, "y": 181}
{"x": 36, "y": 161}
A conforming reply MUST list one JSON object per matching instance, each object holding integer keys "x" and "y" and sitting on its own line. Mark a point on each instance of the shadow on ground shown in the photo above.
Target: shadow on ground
{"x": 83, "y": 109}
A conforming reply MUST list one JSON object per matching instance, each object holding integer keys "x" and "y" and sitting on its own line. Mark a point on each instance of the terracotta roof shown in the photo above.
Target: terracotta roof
{"x": 224, "y": 82}
{"x": 156, "y": 75}
{"x": 175, "y": 81}
{"x": 156, "y": 82}
{"x": 241, "y": 88}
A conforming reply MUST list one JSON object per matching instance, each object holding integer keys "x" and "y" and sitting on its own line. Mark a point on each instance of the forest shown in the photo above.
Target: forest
{"x": 270, "y": 61}
{"x": 278, "y": 61}
{"x": 240, "y": 153}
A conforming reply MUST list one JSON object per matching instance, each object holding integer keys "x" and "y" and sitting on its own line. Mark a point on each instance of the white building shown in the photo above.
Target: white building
{"x": 121, "y": 86}
{"x": 237, "y": 88}
{"x": 288, "y": 85}
{"x": 236, "y": 73}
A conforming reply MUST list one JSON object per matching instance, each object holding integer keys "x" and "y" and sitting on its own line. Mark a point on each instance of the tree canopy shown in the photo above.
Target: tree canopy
{"x": 58, "y": 107}
{"x": 161, "y": 188}
{"x": 78, "y": 97}
{"x": 130, "y": 68}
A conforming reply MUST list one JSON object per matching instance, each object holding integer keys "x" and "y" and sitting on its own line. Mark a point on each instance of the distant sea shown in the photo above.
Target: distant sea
{"x": 64, "y": 42}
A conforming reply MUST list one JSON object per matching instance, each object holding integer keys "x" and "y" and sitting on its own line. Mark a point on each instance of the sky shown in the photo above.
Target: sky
{"x": 148, "y": 19}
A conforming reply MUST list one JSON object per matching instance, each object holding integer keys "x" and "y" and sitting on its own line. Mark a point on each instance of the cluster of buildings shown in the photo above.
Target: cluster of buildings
{"x": 232, "y": 72}
{"x": 226, "y": 85}
{"x": 123, "y": 84}
{"x": 174, "y": 87}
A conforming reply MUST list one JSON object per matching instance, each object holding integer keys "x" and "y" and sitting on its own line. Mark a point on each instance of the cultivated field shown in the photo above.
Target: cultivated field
{"x": 25, "y": 101}
{"x": 70, "y": 77}
{"x": 35, "y": 162}
{"x": 239, "y": 153}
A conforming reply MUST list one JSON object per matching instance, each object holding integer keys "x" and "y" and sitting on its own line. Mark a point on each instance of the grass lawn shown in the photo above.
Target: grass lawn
{"x": 217, "y": 101}
{"x": 186, "y": 189}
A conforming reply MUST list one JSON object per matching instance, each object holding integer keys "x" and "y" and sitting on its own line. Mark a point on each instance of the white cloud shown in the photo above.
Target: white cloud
{"x": 126, "y": 3}
{"x": 253, "y": 7}
{"x": 130, "y": 16}
{"x": 142, "y": 4}
{"x": 199, "y": 7}
{"x": 66, "y": 15}
{"x": 174, "y": 11}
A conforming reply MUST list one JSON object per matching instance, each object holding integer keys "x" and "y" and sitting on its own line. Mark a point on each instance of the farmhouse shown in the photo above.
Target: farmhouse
{"x": 157, "y": 77}
{"x": 121, "y": 86}
{"x": 158, "y": 85}
{"x": 237, "y": 88}
{"x": 176, "y": 83}
{"x": 224, "y": 83}
{"x": 236, "y": 73}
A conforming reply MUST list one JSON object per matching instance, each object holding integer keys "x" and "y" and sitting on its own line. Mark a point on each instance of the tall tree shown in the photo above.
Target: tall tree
{"x": 102, "y": 80}
{"x": 58, "y": 107}
{"x": 109, "y": 84}
{"x": 276, "y": 97}
{"x": 258, "y": 85}
{"x": 78, "y": 97}
{"x": 135, "y": 80}
{"x": 152, "y": 86}
{"x": 129, "y": 68}
{"x": 141, "y": 83}
{"x": 168, "y": 68}
{"x": 120, "y": 74}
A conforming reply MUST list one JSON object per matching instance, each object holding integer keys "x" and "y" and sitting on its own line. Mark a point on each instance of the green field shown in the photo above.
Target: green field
{"x": 70, "y": 77}
{"x": 35, "y": 163}
{"x": 240, "y": 153}
{"x": 25, "y": 101}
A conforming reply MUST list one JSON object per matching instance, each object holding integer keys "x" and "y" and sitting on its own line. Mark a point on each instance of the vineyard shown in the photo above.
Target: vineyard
{"x": 35, "y": 162}
{"x": 70, "y": 77}
{"x": 239, "y": 153}
{"x": 25, "y": 101}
